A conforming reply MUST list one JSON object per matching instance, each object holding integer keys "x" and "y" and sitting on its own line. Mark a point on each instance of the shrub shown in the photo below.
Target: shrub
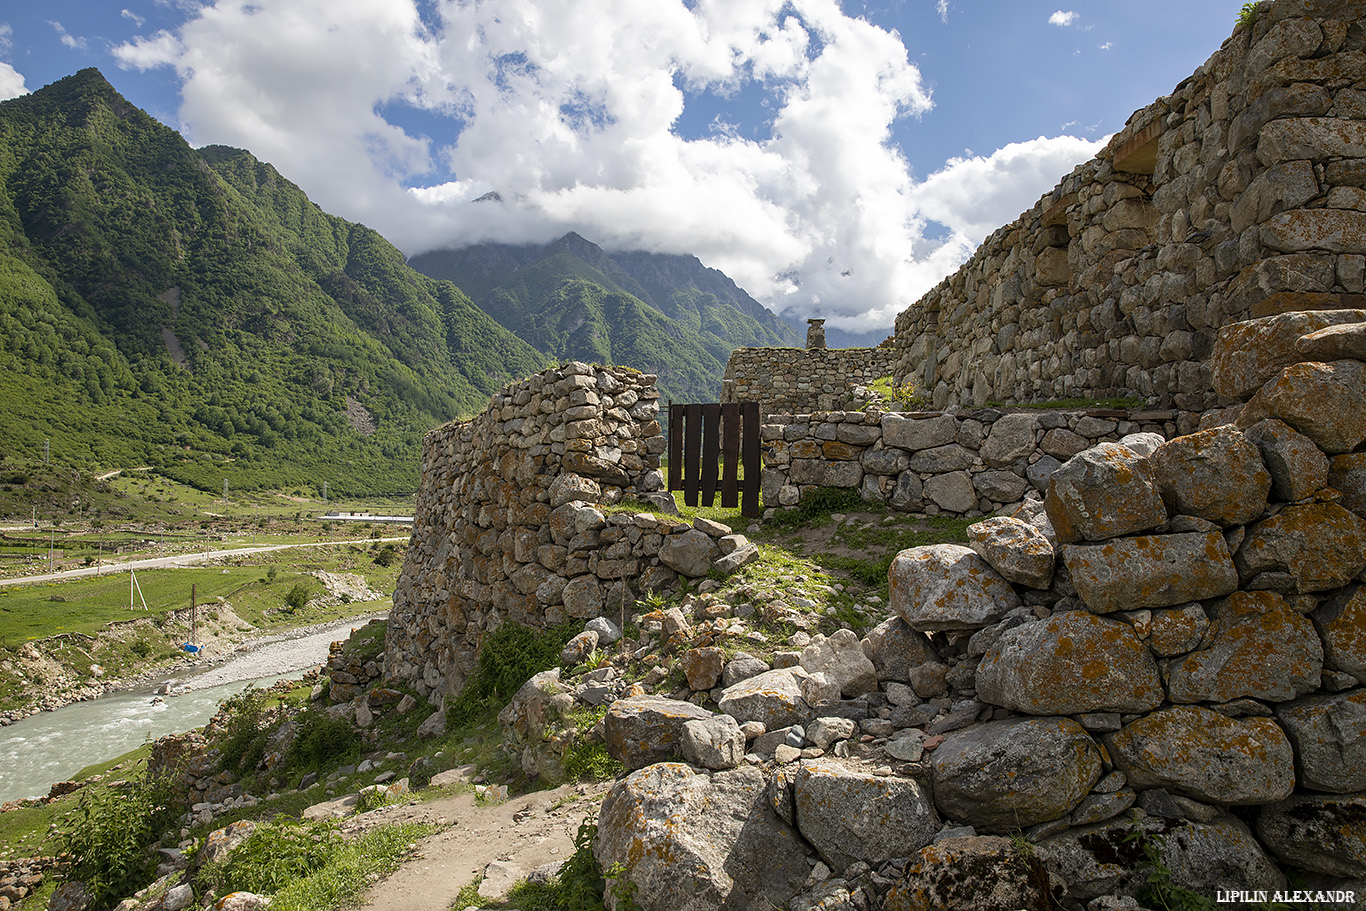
{"x": 243, "y": 740}
{"x": 321, "y": 741}
{"x": 111, "y": 834}
{"x": 508, "y": 657}
{"x": 297, "y": 597}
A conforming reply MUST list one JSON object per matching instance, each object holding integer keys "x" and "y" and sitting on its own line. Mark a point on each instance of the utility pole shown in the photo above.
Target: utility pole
{"x": 47, "y": 451}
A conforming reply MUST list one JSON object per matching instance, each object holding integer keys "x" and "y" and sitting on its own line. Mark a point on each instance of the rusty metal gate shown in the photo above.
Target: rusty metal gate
{"x": 707, "y": 445}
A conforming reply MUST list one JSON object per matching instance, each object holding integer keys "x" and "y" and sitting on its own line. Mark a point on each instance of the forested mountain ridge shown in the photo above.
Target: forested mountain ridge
{"x": 194, "y": 311}
{"x": 666, "y": 314}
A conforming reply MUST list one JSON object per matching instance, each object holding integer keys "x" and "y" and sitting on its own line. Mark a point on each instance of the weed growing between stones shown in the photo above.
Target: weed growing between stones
{"x": 579, "y": 886}
{"x": 816, "y": 508}
{"x": 589, "y": 759}
{"x": 1159, "y": 892}
{"x": 1250, "y": 13}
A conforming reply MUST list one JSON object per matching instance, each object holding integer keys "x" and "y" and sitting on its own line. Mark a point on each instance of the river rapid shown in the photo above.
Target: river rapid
{"x": 52, "y": 746}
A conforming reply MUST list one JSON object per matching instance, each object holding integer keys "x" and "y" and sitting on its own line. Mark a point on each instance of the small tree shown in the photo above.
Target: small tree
{"x": 297, "y": 597}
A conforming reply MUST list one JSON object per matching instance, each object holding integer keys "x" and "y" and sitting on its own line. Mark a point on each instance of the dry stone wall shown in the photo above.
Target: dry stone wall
{"x": 508, "y": 526}
{"x": 793, "y": 380}
{"x": 1162, "y": 660}
{"x": 965, "y": 464}
{"x": 1241, "y": 194}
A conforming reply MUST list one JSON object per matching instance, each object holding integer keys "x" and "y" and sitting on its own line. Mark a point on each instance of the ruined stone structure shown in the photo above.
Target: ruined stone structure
{"x": 508, "y": 529}
{"x": 1167, "y": 650}
{"x": 794, "y": 380}
{"x": 965, "y": 464}
{"x": 1246, "y": 185}
{"x": 1162, "y": 659}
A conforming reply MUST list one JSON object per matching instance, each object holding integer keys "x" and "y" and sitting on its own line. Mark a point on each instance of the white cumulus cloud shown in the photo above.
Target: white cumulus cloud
{"x": 11, "y": 82}
{"x": 1063, "y": 19}
{"x": 570, "y": 111}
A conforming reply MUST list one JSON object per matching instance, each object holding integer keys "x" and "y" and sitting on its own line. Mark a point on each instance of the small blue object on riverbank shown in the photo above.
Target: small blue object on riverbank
{"x": 191, "y": 648}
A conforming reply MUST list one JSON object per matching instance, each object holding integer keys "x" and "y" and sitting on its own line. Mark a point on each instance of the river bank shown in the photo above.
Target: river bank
{"x": 51, "y": 746}
{"x": 229, "y": 652}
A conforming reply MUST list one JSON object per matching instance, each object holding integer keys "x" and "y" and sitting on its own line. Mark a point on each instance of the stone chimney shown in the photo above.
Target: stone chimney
{"x": 815, "y": 334}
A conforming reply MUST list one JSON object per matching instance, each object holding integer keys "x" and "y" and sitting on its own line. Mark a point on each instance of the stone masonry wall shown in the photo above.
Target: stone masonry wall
{"x": 792, "y": 380}
{"x": 967, "y": 464}
{"x": 507, "y": 525}
{"x": 1243, "y": 188}
{"x": 1160, "y": 664}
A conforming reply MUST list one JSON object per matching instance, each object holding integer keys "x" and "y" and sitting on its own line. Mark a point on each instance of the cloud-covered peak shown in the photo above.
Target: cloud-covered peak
{"x": 571, "y": 113}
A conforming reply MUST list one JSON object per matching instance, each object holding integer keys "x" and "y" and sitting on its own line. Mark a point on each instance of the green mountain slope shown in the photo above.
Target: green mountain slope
{"x": 664, "y": 314}
{"x": 194, "y": 311}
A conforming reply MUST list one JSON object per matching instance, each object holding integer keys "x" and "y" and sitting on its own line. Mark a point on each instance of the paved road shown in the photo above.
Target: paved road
{"x": 198, "y": 557}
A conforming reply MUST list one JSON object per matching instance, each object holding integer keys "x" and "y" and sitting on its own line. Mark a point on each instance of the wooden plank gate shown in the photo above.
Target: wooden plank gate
{"x": 707, "y": 444}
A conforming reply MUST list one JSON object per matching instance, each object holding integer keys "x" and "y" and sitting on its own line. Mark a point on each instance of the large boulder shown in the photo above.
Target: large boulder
{"x": 973, "y": 873}
{"x": 1203, "y": 754}
{"x": 943, "y": 587}
{"x": 773, "y": 698}
{"x": 1072, "y": 662}
{"x": 895, "y": 649}
{"x": 537, "y": 705}
{"x": 1341, "y": 622}
{"x": 698, "y": 841}
{"x": 1011, "y": 774}
{"x": 1215, "y": 474}
{"x": 849, "y": 814}
{"x": 1309, "y": 547}
{"x": 1257, "y": 647}
{"x": 1109, "y": 859}
{"x": 1017, "y": 550}
{"x": 690, "y": 553}
{"x": 713, "y": 743}
{"x": 841, "y": 656}
{"x": 1323, "y": 833}
{"x": 1296, "y": 465}
{"x": 1104, "y": 492}
{"x": 1151, "y": 570}
{"x": 647, "y": 729}
{"x": 1329, "y": 734}
{"x": 1249, "y": 353}
{"x": 1325, "y": 402}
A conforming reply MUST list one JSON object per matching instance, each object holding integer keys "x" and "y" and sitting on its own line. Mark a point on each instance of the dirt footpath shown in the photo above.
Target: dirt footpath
{"x": 504, "y": 842}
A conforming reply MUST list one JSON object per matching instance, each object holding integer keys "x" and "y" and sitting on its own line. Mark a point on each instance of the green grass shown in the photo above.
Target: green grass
{"x": 86, "y": 605}
{"x": 349, "y": 870}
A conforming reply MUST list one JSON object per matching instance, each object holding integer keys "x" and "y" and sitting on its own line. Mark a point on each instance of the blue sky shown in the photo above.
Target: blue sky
{"x": 835, "y": 158}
